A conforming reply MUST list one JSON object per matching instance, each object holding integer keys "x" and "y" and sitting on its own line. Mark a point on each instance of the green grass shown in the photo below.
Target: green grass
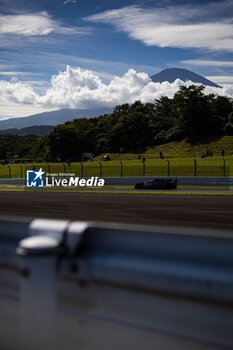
{"x": 179, "y": 161}
{"x": 182, "y": 149}
{"x": 213, "y": 166}
{"x": 195, "y": 148}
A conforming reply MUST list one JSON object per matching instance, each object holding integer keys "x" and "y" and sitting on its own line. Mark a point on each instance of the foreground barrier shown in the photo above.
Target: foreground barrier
{"x": 80, "y": 285}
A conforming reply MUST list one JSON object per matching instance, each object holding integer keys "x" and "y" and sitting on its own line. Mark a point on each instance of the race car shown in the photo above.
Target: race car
{"x": 161, "y": 184}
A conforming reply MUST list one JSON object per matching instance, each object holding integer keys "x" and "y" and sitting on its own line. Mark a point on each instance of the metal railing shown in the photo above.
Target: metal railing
{"x": 166, "y": 167}
{"x": 69, "y": 285}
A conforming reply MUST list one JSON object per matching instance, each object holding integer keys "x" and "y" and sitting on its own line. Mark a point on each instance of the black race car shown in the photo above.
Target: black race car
{"x": 161, "y": 184}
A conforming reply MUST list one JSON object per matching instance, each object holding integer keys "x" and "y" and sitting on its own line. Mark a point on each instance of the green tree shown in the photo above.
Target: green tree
{"x": 164, "y": 121}
{"x": 131, "y": 130}
{"x": 193, "y": 110}
{"x": 228, "y": 129}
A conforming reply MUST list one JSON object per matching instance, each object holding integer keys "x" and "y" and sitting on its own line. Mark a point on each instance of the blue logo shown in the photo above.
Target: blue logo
{"x": 35, "y": 178}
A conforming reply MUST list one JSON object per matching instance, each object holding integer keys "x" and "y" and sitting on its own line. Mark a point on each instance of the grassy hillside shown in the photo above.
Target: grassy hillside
{"x": 183, "y": 149}
{"x": 181, "y": 162}
{"x": 195, "y": 148}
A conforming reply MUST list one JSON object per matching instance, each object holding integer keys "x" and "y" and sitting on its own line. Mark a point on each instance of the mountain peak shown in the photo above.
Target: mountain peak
{"x": 171, "y": 74}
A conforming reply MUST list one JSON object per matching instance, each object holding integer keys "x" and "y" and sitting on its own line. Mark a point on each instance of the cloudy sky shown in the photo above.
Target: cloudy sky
{"x": 95, "y": 53}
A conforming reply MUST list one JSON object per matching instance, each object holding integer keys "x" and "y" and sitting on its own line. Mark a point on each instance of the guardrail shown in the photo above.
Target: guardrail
{"x": 81, "y": 285}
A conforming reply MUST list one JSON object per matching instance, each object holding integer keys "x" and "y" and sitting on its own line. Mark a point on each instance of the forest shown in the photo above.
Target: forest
{"x": 130, "y": 128}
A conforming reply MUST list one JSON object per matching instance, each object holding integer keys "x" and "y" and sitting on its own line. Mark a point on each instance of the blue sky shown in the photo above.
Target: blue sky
{"x": 80, "y": 54}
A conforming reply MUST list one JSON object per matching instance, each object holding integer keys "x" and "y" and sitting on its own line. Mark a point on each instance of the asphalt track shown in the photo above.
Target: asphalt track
{"x": 201, "y": 211}
{"x": 130, "y": 189}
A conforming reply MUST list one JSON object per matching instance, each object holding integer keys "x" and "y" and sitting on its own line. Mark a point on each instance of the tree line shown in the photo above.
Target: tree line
{"x": 132, "y": 128}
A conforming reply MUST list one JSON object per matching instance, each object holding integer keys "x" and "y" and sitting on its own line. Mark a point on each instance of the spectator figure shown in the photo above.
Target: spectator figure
{"x": 139, "y": 156}
{"x": 161, "y": 155}
{"x": 143, "y": 159}
{"x": 68, "y": 160}
{"x": 211, "y": 153}
{"x": 207, "y": 153}
{"x": 223, "y": 152}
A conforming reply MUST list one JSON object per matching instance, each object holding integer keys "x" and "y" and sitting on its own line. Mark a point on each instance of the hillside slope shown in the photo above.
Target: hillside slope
{"x": 182, "y": 149}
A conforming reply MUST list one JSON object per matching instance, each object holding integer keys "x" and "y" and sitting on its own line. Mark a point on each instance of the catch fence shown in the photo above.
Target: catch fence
{"x": 166, "y": 167}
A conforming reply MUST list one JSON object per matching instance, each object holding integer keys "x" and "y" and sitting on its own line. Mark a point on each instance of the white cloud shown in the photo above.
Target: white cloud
{"x": 69, "y": 2}
{"x": 81, "y": 88}
{"x": 221, "y": 79}
{"x": 14, "y": 73}
{"x": 16, "y": 92}
{"x": 14, "y": 110}
{"x": 58, "y": 61}
{"x": 208, "y": 63}
{"x": 34, "y": 24}
{"x": 174, "y": 26}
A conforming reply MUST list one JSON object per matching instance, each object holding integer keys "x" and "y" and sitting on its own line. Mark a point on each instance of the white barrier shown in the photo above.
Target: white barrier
{"x": 78, "y": 285}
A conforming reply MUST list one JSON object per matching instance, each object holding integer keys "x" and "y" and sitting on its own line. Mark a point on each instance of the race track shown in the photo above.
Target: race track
{"x": 214, "y": 212}
{"x": 226, "y": 190}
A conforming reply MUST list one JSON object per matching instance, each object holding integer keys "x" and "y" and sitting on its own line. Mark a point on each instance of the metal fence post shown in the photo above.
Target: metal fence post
{"x": 81, "y": 169}
{"x": 195, "y": 167}
{"x": 121, "y": 168}
{"x": 21, "y": 171}
{"x": 100, "y": 168}
{"x": 168, "y": 167}
{"x": 9, "y": 172}
{"x": 143, "y": 168}
{"x": 224, "y": 167}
